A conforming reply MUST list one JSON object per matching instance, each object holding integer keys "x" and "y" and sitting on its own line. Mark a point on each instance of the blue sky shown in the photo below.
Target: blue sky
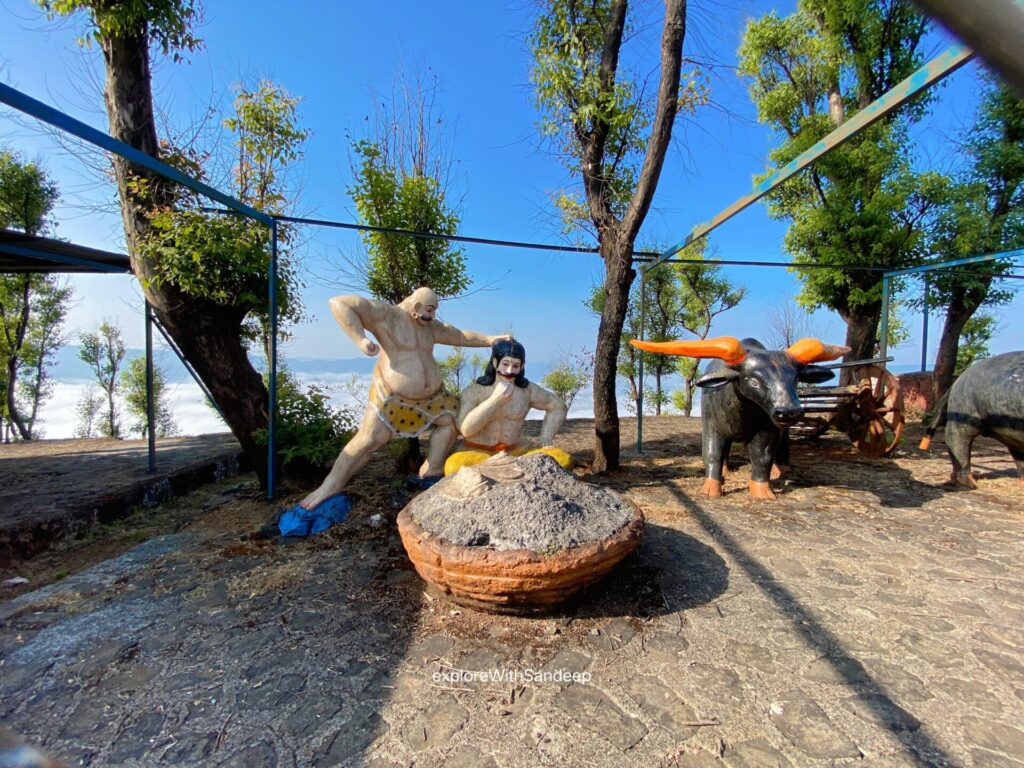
{"x": 334, "y": 57}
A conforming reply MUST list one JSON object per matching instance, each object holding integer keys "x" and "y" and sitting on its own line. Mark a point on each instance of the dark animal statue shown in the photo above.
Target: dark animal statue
{"x": 750, "y": 396}
{"x": 987, "y": 400}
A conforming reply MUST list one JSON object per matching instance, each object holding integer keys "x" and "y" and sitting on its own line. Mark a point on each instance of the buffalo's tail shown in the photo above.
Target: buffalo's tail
{"x": 937, "y": 419}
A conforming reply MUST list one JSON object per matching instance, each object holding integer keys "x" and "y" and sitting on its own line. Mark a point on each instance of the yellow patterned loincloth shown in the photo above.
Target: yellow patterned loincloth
{"x": 406, "y": 417}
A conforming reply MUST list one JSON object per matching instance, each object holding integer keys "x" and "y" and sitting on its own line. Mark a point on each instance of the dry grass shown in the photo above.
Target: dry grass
{"x": 263, "y": 579}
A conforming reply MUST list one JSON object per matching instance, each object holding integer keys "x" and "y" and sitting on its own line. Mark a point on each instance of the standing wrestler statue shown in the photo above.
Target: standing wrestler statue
{"x": 494, "y": 407}
{"x": 406, "y": 395}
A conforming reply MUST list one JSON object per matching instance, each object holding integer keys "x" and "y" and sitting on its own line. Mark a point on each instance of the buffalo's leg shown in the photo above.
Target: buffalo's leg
{"x": 713, "y": 452}
{"x": 781, "y": 466}
{"x": 1018, "y": 457}
{"x": 726, "y": 450}
{"x": 959, "y": 438}
{"x": 761, "y": 450}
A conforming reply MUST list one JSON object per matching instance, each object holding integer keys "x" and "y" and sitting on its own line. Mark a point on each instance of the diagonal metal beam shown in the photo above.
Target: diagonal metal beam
{"x": 37, "y": 109}
{"x": 942, "y": 65}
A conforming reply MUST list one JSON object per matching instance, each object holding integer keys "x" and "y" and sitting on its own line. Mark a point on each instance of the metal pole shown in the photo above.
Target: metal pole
{"x": 994, "y": 28}
{"x": 883, "y": 343}
{"x": 640, "y": 376}
{"x": 924, "y": 328}
{"x": 150, "y": 405}
{"x": 272, "y": 393}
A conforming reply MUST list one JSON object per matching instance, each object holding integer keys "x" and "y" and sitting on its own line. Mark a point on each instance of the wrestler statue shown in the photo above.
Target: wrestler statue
{"x": 493, "y": 409}
{"x": 406, "y": 395}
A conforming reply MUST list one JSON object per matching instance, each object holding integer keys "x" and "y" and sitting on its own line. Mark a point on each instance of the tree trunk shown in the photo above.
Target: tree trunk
{"x": 207, "y": 334}
{"x": 861, "y": 336}
{"x": 13, "y": 362}
{"x": 617, "y": 254}
{"x": 961, "y": 308}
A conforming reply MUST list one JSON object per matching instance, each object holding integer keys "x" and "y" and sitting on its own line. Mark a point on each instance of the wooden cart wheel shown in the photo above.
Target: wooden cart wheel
{"x": 877, "y": 414}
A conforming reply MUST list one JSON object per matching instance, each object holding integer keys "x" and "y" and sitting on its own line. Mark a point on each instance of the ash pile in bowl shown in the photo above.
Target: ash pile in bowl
{"x": 519, "y": 503}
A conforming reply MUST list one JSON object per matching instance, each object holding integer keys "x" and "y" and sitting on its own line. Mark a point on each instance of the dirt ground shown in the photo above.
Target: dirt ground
{"x": 870, "y": 615}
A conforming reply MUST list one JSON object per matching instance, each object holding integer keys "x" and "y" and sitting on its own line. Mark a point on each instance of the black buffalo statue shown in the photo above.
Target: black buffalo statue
{"x": 986, "y": 400}
{"x": 750, "y": 396}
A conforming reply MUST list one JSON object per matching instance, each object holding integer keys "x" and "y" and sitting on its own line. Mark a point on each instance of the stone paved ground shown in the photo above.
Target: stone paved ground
{"x": 869, "y": 617}
{"x": 55, "y": 488}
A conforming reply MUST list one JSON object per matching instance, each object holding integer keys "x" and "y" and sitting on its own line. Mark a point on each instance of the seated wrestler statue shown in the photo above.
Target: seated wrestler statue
{"x": 406, "y": 395}
{"x": 493, "y": 409}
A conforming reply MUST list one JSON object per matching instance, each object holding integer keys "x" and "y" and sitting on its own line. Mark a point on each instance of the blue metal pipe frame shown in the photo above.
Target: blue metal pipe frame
{"x": 64, "y": 122}
{"x": 927, "y": 269}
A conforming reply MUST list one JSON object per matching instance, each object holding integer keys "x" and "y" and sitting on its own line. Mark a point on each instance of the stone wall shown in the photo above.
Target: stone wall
{"x": 917, "y": 393}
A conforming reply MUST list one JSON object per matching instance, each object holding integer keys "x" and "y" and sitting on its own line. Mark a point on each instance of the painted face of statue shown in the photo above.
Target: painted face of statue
{"x": 424, "y": 313}
{"x": 509, "y": 367}
{"x": 421, "y": 305}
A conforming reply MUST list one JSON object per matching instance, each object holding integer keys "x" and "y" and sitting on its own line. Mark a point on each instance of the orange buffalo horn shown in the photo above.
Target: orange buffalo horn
{"x": 808, "y": 351}
{"x": 725, "y": 348}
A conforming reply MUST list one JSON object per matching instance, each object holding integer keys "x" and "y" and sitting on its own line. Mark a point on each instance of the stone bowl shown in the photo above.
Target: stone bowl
{"x": 516, "y": 581}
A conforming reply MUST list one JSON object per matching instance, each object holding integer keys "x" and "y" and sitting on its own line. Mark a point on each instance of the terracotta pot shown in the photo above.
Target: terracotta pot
{"x": 517, "y": 580}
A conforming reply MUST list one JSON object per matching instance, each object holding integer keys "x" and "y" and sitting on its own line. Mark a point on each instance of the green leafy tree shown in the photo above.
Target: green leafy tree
{"x": 862, "y": 204}
{"x": 103, "y": 351}
{"x": 569, "y": 376}
{"x": 32, "y": 306}
{"x": 208, "y": 330}
{"x": 977, "y": 332}
{"x": 613, "y": 133}
{"x": 400, "y": 181}
{"x": 310, "y": 431}
{"x": 133, "y": 391}
{"x": 458, "y": 369}
{"x": 89, "y": 411}
{"x": 983, "y": 213}
{"x": 704, "y": 293}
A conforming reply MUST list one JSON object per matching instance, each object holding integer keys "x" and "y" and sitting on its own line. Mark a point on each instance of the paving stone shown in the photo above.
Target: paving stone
{"x": 191, "y": 748}
{"x": 699, "y": 760}
{"x": 991, "y": 735}
{"x": 926, "y": 623}
{"x": 137, "y": 739}
{"x": 878, "y": 708}
{"x": 129, "y": 680}
{"x": 262, "y": 755}
{"x": 665, "y": 647}
{"x": 973, "y": 693}
{"x": 429, "y": 648}
{"x": 483, "y": 660}
{"x": 983, "y": 758}
{"x": 271, "y": 693}
{"x": 838, "y": 670}
{"x": 314, "y": 712}
{"x": 1001, "y": 664}
{"x": 90, "y": 716}
{"x": 568, "y": 663}
{"x": 935, "y": 651}
{"x": 896, "y": 678}
{"x": 719, "y": 683}
{"x": 435, "y": 726}
{"x": 1010, "y": 639}
{"x": 810, "y": 730}
{"x": 662, "y": 705}
{"x": 595, "y": 711}
{"x": 756, "y": 656}
{"x": 613, "y": 636}
{"x": 469, "y": 757}
{"x": 355, "y": 736}
{"x": 756, "y": 753}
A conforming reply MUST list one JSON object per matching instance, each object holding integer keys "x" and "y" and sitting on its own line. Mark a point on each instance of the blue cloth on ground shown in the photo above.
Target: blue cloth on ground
{"x": 299, "y": 521}
{"x": 423, "y": 483}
